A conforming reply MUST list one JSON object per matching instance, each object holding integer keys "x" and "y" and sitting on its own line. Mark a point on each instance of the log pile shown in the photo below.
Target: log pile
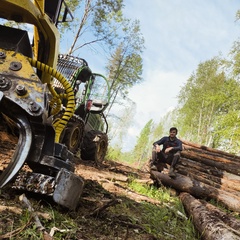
{"x": 207, "y": 173}
{"x": 211, "y": 222}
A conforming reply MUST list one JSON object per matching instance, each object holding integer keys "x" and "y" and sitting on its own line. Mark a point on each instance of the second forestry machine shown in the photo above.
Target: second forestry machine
{"x": 52, "y": 103}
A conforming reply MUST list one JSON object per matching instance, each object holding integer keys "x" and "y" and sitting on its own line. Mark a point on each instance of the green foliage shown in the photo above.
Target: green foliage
{"x": 235, "y": 56}
{"x": 227, "y": 131}
{"x": 106, "y": 16}
{"x": 102, "y": 26}
{"x": 125, "y": 65}
{"x": 114, "y": 153}
{"x": 119, "y": 124}
{"x": 158, "y": 131}
{"x": 165, "y": 219}
{"x": 142, "y": 146}
{"x": 209, "y": 106}
{"x": 238, "y": 15}
{"x": 73, "y": 5}
{"x": 200, "y": 99}
{"x": 97, "y": 21}
{"x": 162, "y": 194}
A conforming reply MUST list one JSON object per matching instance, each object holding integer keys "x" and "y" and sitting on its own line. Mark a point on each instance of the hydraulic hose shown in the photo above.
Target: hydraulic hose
{"x": 69, "y": 110}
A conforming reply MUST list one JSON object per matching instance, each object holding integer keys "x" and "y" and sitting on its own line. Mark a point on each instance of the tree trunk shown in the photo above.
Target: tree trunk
{"x": 190, "y": 145}
{"x": 191, "y": 164}
{"x": 207, "y": 173}
{"x": 208, "y": 221}
{"x": 198, "y": 189}
{"x": 214, "y": 161}
{"x": 221, "y": 182}
{"x": 226, "y": 218}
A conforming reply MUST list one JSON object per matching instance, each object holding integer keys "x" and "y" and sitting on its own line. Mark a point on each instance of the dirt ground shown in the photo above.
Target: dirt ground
{"x": 108, "y": 208}
{"x": 106, "y": 187}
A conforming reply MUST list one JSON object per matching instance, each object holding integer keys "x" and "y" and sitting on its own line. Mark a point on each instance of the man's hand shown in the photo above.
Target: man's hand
{"x": 157, "y": 147}
{"x": 168, "y": 149}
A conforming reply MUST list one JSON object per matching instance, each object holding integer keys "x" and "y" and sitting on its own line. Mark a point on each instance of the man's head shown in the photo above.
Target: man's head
{"x": 173, "y": 129}
{"x": 173, "y": 132}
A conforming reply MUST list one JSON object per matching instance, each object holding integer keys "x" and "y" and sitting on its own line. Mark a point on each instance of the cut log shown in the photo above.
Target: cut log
{"x": 226, "y": 218}
{"x": 188, "y": 145}
{"x": 197, "y": 150}
{"x": 208, "y": 223}
{"x": 218, "y": 162}
{"x": 189, "y": 163}
{"x": 217, "y": 182}
{"x": 198, "y": 189}
{"x": 225, "y": 179}
{"x": 200, "y": 178}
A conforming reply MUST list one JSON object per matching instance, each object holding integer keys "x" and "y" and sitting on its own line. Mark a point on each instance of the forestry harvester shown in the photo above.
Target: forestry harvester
{"x": 51, "y": 103}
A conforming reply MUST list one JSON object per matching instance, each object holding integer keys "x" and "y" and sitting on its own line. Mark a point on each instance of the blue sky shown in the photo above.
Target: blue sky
{"x": 179, "y": 34}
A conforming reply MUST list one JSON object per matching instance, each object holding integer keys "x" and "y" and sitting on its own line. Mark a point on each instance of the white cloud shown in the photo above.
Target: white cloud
{"x": 157, "y": 94}
{"x": 179, "y": 34}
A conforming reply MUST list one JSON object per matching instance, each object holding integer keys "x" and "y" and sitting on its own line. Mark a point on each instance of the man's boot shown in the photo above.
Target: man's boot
{"x": 176, "y": 157}
{"x": 171, "y": 173}
{"x": 160, "y": 166}
{"x": 154, "y": 168}
{"x": 152, "y": 165}
{"x": 154, "y": 160}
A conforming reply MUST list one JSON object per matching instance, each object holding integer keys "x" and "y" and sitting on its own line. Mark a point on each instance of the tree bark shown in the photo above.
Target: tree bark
{"x": 226, "y": 218}
{"x": 198, "y": 189}
{"x": 214, "y": 161}
{"x": 191, "y": 146}
{"x": 231, "y": 185}
{"x": 189, "y": 163}
{"x": 209, "y": 221}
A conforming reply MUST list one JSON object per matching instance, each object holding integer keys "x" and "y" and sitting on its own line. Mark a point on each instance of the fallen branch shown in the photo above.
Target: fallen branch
{"x": 39, "y": 225}
{"x": 116, "y": 178}
{"x": 104, "y": 205}
{"x": 18, "y": 211}
{"x": 54, "y": 229}
{"x": 14, "y": 233}
{"x": 15, "y": 210}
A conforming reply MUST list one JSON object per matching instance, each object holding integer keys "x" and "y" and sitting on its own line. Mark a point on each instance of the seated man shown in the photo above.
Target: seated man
{"x": 169, "y": 154}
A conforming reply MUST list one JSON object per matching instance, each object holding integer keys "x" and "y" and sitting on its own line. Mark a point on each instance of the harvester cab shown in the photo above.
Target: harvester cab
{"x": 86, "y": 132}
{"x": 40, "y": 104}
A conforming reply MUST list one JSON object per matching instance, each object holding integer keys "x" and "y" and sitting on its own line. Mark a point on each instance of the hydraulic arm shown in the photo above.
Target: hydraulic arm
{"x": 29, "y": 104}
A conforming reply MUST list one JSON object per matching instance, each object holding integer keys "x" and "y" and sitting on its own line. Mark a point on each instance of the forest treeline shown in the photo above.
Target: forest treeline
{"x": 208, "y": 110}
{"x": 207, "y": 113}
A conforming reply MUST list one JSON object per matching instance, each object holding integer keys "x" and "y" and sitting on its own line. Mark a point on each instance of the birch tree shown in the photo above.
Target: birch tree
{"x": 142, "y": 146}
{"x": 200, "y": 99}
{"x": 96, "y": 22}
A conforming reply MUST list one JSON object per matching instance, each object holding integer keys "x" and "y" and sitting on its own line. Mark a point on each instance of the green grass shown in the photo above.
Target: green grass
{"x": 166, "y": 220}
